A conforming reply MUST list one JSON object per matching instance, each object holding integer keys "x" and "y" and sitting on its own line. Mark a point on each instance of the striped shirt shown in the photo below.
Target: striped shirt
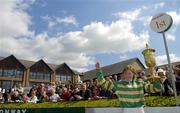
{"x": 129, "y": 93}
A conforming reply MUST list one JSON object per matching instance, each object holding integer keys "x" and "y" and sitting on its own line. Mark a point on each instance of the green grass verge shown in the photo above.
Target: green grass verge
{"x": 149, "y": 101}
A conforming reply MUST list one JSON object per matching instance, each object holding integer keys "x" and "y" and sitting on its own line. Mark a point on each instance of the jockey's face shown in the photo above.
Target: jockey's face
{"x": 128, "y": 75}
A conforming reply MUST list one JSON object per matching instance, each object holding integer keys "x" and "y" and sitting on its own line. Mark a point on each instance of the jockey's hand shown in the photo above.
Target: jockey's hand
{"x": 97, "y": 65}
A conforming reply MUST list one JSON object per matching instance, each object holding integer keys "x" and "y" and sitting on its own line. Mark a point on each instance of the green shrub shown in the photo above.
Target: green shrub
{"x": 155, "y": 101}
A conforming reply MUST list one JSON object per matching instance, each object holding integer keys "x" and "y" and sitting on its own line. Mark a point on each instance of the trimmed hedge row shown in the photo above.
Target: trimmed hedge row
{"x": 154, "y": 101}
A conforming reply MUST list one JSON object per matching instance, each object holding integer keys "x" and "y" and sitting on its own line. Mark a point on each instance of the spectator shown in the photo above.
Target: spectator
{"x": 84, "y": 93}
{"x": 75, "y": 94}
{"x": 95, "y": 83}
{"x": 166, "y": 89}
{"x": 19, "y": 89}
{"x": 40, "y": 90}
{"x": 108, "y": 78}
{"x": 103, "y": 92}
{"x": 32, "y": 89}
{"x": 43, "y": 97}
{"x": 58, "y": 86}
{"x": 177, "y": 75}
{"x": 95, "y": 93}
{"x": 51, "y": 86}
{"x": 65, "y": 94}
{"x": 69, "y": 88}
{"x": 141, "y": 75}
{"x": 91, "y": 84}
{"x": 33, "y": 98}
{"x": 25, "y": 98}
{"x": 16, "y": 97}
{"x": 54, "y": 97}
{"x": 6, "y": 96}
{"x": 1, "y": 96}
{"x": 115, "y": 77}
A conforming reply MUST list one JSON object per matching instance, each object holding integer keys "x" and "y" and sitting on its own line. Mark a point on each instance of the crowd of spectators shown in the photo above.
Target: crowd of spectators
{"x": 89, "y": 90}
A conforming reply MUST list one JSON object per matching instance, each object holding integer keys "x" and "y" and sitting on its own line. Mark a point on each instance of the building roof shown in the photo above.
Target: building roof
{"x": 64, "y": 64}
{"x": 77, "y": 73}
{"x": 162, "y": 66}
{"x": 52, "y": 66}
{"x": 1, "y": 57}
{"x": 113, "y": 69}
{"x": 43, "y": 62}
{"x": 28, "y": 64}
{"x": 25, "y": 63}
{"x": 173, "y": 63}
{"x": 13, "y": 57}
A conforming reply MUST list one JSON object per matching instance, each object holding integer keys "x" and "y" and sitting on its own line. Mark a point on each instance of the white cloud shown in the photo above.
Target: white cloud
{"x": 158, "y": 5}
{"x": 162, "y": 59}
{"x": 176, "y": 21}
{"x": 76, "y": 48}
{"x": 55, "y": 21}
{"x": 14, "y": 21}
{"x": 129, "y": 15}
{"x": 153, "y": 7}
{"x": 42, "y": 3}
{"x": 116, "y": 37}
{"x": 170, "y": 37}
{"x": 175, "y": 17}
{"x": 67, "y": 20}
{"x": 123, "y": 57}
{"x": 145, "y": 20}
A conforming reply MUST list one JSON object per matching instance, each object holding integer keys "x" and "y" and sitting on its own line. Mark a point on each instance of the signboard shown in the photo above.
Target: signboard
{"x": 146, "y": 110}
{"x": 44, "y": 110}
{"x": 161, "y": 22}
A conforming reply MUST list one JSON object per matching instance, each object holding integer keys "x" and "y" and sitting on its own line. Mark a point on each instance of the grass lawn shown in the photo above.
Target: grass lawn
{"x": 149, "y": 101}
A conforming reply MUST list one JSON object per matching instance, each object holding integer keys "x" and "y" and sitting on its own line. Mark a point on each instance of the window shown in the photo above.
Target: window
{"x": 1, "y": 72}
{"x": 32, "y": 75}
{"x": 63, "y": 78}
{"x": 10, "y": 73}
{"x": 32, "y": 84}
{"x": 68, "y": 77}
{"x": 47, "y": 76}
{"x": 58, "y": 77}
{"x": 40, "y": 75}
{"x": 5, "y": 72}
{"x": 19, "y": 73}
{"x": 37, "y": 76}
{"x": 6, "y": 84}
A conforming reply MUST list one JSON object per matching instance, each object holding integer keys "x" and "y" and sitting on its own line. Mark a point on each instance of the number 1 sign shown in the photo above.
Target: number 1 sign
{"x": 160, "y": 23}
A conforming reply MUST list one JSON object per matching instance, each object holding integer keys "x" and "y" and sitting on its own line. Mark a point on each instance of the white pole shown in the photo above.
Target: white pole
{"x": 170, "y": 70}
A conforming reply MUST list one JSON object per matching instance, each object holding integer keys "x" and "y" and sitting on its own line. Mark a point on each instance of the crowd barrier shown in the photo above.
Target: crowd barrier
{"x": 146, "y": 109}
{"x": 88, "y": 110}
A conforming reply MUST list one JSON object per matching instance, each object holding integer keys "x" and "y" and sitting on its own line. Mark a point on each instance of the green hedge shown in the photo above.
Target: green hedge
{"x": 155, "y": 101}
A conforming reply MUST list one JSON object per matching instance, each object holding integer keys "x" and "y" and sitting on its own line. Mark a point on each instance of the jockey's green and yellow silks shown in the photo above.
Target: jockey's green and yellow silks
{"x": 129, "y": 93}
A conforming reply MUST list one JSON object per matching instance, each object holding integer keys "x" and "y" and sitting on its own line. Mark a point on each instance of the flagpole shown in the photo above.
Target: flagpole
{"x": 170, "y": 70}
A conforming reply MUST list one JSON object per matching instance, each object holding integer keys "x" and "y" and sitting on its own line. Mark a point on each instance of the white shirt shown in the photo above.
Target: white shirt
{"x": 33, "y": 99}
{"x": 54, "y": 98}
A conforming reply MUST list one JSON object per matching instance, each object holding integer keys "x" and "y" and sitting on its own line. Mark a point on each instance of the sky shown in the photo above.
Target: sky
{"x": 82, "y": 32}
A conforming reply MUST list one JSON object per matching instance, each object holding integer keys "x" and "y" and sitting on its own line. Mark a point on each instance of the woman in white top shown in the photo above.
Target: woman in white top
{"x": 54, "y": 97}
{"x": 33, "y": 98}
